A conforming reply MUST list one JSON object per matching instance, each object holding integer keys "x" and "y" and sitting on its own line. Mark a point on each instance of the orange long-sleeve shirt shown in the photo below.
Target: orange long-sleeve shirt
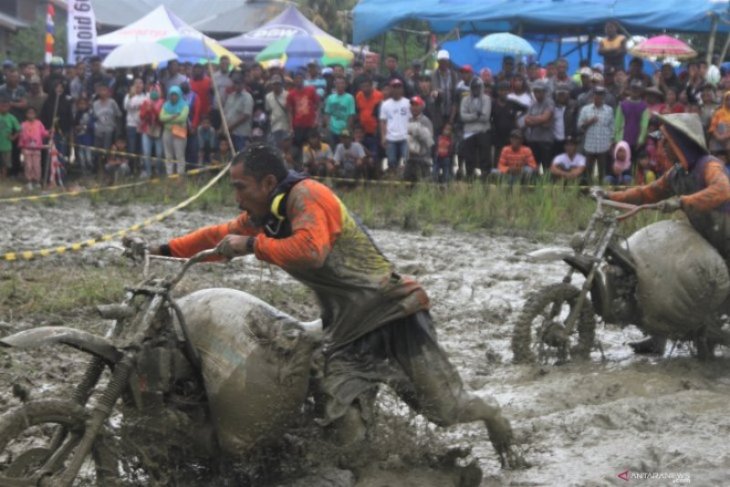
{"x": 327, "y": 250}
{"x": 716, "y": 192}
{"x": 509, "y": 160}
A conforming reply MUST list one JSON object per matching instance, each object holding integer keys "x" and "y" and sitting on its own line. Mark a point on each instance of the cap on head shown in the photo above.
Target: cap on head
{"x": 585, "y": 71}
{"x": 443, "y": 55}
{"x": 345, "y": 133}
{"x": 539, "y": 86}
{"x": 327, "y": 72}
{"x": 467, "y": 68}
{"x": 599, "y": 90}
{"x": 597, "y": 77}
{"x": 396, "y": 82}
{"x": 418, "y": 101}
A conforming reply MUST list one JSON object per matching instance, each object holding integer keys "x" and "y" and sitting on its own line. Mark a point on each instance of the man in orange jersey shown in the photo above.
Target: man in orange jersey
{"x": 376, "y": 322}
{"x": 698, "y": 184}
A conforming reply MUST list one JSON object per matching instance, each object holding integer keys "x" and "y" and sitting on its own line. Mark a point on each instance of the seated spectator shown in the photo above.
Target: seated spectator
{"x": 516, "y": 161}
{"x": 349, "y": 156}
{"x": 223, "y": 154}
{"x": 444, "y": 165}
{"x": 646, "y": 171}
{"x": 570, "y": 165}
{"x": 207, "y": 141}
{"x": 317, "y": 156}
{"x": 655, "y": 99}
{"x": 290, "y": 152}
{"x": 620, "y": 170}
{"x": 117, "y": 164}
{"x": 370, "y": 166}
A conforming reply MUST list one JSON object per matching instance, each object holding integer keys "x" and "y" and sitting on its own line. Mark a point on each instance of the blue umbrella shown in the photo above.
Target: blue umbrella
{"x": 506, "y": 43}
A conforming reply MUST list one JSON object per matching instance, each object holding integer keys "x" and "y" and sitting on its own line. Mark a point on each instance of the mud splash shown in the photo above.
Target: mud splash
{"x": 578, "y": 424}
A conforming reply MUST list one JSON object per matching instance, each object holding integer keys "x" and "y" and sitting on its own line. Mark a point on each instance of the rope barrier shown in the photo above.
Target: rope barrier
{"x": 32, "y": 254}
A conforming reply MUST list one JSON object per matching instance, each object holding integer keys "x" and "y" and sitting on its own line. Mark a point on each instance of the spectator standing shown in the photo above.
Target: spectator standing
{"x": 561, "y": 77}
{"x": 671, "y": 105}
{"x": 36, "y": 97}
{"x": 719, "y": 130}
{"x": 370, "y": 71}
{"x": 570, "y": 165}
{"x": 191, "y": 98}
{"x": 84, "y": 135}
{"x": 586, "y": 97}
{"x": 174, "y": 118}
{"x": 132, "y": 104}
{"x": 695, "y": 83}
{"x": 173, "y": 77}
{"x": 539, "y": 126}
{"x": 97, "y": 77}
{"x": 151, "y": 129}
{"x": 202, "y": 86}
{"x": 504, "y": 117}
{"x": 276, "y": 109}
{"x": 476, "y": 112}
{"x": 508, "y": 69}
{"x": 708, "y": 106}
{"x": 516, "y": 162}
{"x": 565, "y": 117}
{"x": 32, "y": 135}
{"x": 596, "y": 121}
{"x": 316, "y": 80}
{"x": 16, "y": 93}
{"x": 349, "y": 157}
{"x": 395, "y": 114}
{"x": 238, "y": 112}
{"x": 391, "y": 65}
{"x": 302, "y": 104}
{"x": 443, "y": 84}
{"x": 632, "y": 119}
{"x": 106, "y": 117}
{"x": 443, "y": 168}
{"x": 339, "y": 108}
{"x": 367, "y": 102}
{"x": 636, "y": 73}
{"x": 667, "y": 79}
{"x": 420, "y": 143}
{"x": 613, "y": 47}
{"x": 77, "y": 85}
{"x": 9, "y": 131}
{"x": 62, "y": 125}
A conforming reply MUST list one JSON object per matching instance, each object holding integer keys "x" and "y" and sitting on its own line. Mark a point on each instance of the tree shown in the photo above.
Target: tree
{"x": 332, "y": 16}
{"x": 29, "y": 44}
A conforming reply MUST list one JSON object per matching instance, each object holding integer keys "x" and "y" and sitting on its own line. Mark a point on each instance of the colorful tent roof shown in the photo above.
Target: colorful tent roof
{"x": 158, "y": 24}
{"x": 291, "y": 22}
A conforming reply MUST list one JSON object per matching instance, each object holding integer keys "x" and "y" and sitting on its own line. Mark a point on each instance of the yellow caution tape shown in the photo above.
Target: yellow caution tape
{"x": 78, "y": 192}
{"x": 32, "y": 254}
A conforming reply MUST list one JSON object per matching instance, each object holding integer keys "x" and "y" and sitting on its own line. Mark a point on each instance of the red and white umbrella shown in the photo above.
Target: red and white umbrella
{"x": 663, "y": 46}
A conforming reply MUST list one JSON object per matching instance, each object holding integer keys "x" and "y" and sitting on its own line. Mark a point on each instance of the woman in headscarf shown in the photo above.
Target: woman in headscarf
{"x": 174, "y": 118}
{"x": 151, "y": 130}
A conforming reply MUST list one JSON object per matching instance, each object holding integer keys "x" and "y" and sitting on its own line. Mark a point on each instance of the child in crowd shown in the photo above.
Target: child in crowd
{"x": 207, "y": 141}
{"x": 290, "y": 152}
{"x": 646, "y": 172}
{"x": 349, "y": 156}
{"x": 32, "y": 134}
{"x": 443, "y": 169}
{"x": 9, "y": 130}
{"x": 223, "y": 154}
{"x": 117, "y": 164}
{"x": 620, "y": 173}
{"x": 370, "y": 168}
{"x": 317, "y": 156}
{"x": 84, "y": 132}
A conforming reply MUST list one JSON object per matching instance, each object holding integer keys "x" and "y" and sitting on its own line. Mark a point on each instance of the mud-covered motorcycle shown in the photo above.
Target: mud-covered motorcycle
{"x": 623, "y": 284}
{"x": 172, "y": 408}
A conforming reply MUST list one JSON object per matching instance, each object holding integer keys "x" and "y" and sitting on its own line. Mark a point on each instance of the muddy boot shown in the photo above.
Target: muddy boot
{"x": 654, "y": 345}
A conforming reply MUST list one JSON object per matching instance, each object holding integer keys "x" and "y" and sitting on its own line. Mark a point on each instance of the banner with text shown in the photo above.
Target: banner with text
{"x": 81, "y": 31}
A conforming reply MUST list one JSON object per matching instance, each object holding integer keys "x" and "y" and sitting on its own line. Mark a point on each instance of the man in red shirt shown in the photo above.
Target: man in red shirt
{"x": 367, "y": 103}
{"x": 302, "y": 103}
{"x": 201, "y": 86}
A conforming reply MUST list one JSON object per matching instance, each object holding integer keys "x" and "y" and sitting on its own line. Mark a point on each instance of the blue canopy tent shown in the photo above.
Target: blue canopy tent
{"x": 374, "y": 17}
{"x": 291, "y": 22}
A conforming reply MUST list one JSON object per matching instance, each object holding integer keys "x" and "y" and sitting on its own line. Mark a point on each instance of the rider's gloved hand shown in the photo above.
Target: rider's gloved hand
{"x": 598, "y": 193}
{"x": 670, "y": 205}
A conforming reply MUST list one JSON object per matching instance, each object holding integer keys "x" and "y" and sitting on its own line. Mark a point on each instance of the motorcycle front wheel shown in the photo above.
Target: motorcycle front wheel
{"x": 37, "y": 440}
{"x": 540, "y": 333}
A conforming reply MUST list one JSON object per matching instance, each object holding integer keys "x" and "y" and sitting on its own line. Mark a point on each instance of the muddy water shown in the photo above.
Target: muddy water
{"x": 578, "y": 424}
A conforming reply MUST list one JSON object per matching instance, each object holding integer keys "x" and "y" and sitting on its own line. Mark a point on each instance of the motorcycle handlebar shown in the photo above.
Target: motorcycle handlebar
{"x": 632, "y": 209}
{"x": 200, "y": 256}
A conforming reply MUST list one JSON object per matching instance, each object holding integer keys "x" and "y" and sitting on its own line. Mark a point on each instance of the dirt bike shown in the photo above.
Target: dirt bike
{"x": 558, "y": 322}
{"x": 166, "y": 413}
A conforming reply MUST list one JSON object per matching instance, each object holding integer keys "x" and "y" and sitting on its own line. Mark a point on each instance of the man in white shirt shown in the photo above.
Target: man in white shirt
{"x": 276, "y": 108}
{"x": 395, "y": 113}
{"x": 570, "y": 165}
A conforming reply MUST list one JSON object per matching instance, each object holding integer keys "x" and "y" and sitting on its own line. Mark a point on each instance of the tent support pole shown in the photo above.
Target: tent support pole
{"x": 404, "y": 40}
{"x": 724, "y": 49}
{"x": 590, "y": 49}
{"x": 711, "y": 42}
{"x": 382, "y": 49}
{"x": 560, "y": 46}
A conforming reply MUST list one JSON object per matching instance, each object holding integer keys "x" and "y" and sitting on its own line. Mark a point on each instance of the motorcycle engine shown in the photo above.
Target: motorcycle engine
{"x": 621, "y": 287}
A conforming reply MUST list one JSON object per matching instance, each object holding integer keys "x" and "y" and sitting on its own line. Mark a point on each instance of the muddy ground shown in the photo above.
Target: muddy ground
{"x": 578, "y": 424}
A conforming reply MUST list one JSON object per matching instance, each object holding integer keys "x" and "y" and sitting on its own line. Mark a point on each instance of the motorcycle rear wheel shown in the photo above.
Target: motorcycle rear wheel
{"x": 539, "y": 332}
{"x": 27, "y": 445}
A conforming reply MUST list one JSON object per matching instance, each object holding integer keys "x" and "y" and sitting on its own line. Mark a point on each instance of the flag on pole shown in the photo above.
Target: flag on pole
{"x": 50, "y": 32}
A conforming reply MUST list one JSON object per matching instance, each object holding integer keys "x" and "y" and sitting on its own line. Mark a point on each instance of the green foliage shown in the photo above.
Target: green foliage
{"x": 29, "y": 44}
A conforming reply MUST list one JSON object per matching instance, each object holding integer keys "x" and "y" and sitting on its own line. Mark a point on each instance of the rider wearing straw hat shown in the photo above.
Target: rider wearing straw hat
{"x": 698, "y": 184}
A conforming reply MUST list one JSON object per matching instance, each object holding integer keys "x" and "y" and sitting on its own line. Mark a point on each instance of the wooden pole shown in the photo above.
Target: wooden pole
{"x": 724, "y": 49}
{"x": 47, "y": 173}
{"x": 711, "y": 42}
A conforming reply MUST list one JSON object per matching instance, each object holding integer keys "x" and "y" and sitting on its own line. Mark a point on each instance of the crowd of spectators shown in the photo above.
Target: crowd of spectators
{"x": 526, "y": 121}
